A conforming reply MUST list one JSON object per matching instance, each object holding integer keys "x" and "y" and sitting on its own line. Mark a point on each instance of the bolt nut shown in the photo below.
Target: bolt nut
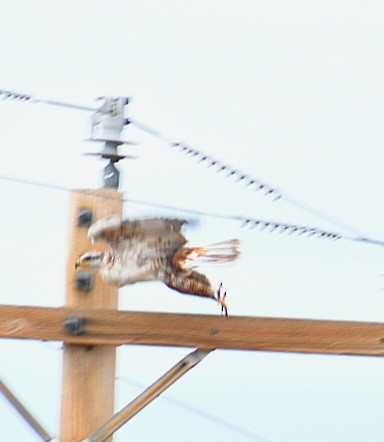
{"x": 74, "y": 325}
{"x": 84, "y": 281}
{"x": 84, "y": 218}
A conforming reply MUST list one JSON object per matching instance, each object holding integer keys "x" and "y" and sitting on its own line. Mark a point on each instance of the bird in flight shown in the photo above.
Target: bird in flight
{"x": 154, "y": 250}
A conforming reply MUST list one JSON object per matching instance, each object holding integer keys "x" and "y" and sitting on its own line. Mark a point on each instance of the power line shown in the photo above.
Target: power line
{"x": 202, "y": 413}
{"x": 254, "y": 183}
{"x": 245, "y": 222}
{"x": 322, "y": 215}
{"x": 16, "y": 96}
{"x": 247, "y": 180}
{"x": 202, "y": 157}
{"x": 250, "y": 222}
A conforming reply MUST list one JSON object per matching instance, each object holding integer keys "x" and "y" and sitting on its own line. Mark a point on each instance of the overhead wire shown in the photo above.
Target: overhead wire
{"x": 16, "y": 96}
{"x": 244, "y": 221}
{"x": 252, "y": 223}
{"x": 249, "y": 181}
{"x": 209, "y": 161}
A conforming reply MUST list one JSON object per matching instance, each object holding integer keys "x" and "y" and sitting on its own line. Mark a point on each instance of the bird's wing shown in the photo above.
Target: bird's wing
{"x": 153, "y": 233}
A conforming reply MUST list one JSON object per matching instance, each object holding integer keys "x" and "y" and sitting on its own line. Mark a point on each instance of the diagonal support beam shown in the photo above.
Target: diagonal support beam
{"x": 151, "y": 393}
{"x": 25, "y": 414}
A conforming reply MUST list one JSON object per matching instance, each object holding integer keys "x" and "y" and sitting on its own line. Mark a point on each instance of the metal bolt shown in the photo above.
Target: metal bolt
{"x": 84, "y": 217}
{"x": 111, "y": 176}
{"x": 213, "y": 331}
{"x": 74, "y": 325}
{"x": 84, "y": 281}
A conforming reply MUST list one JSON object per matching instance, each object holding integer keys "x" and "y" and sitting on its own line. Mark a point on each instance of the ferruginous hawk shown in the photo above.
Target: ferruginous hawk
{"x": 153, "y": 250}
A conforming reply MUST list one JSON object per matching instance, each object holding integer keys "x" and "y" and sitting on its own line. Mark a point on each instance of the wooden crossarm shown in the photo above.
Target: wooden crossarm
{"x": 109, "y": 327}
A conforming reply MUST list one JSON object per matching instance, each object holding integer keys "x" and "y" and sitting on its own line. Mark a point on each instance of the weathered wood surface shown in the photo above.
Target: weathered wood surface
{"x": 109, "y": 327}
{"x": 88, "y": 385}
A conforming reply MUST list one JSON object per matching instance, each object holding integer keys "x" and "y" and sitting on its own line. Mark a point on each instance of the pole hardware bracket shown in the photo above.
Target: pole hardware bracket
{"x": 74, "y": 325}
{"x": 84, "y": 281}
{"x": 84, "y": 217}
{"x": 108, "y": 124}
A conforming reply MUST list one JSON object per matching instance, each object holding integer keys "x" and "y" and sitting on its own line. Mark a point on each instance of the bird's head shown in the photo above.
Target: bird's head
{"x": 90, "y": 260}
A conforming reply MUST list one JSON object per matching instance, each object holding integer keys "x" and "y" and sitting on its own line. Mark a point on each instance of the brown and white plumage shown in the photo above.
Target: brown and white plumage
{"x": 153, "y": 250}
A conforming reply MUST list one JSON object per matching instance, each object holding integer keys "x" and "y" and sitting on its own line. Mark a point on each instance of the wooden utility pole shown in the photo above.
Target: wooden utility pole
{"x": 88, "y": 371}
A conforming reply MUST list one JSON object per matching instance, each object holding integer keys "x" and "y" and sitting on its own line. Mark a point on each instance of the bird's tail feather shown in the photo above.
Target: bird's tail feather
{"x": 221, "y": 252}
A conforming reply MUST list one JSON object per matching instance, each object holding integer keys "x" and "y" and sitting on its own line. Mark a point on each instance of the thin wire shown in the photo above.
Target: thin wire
{"x": 255, "y": 183}
{"x": 34, "y": 183}
{"x": 249, "y": 181}
{"x": 68, "y": 105}
{"x": 16, "y": 96}
{"x": 202, "y": 157}
{"x": 202, "y": 413}
{"x": 251, "y": 223}
{"x": 322, "y": 215}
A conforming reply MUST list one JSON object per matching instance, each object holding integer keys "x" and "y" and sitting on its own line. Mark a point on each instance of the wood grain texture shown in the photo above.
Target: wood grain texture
{"x": 148, "y": 395}
{"x": 110, "y": 327}
{"x": 88, "y": 372}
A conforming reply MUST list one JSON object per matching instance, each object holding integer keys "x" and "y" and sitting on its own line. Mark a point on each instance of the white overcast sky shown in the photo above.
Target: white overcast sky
{"x": 290, "y": 92}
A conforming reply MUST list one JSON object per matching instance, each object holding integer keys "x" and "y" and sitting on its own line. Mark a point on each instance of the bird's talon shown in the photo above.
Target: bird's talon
{"x": 221, "y": 300}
